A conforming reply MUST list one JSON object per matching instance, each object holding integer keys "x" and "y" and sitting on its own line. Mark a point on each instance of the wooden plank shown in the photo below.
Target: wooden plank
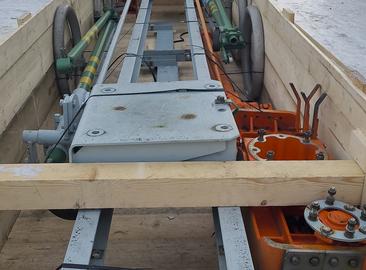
{"x": 295, "y": 59}
{"x": 164, "y": 239}
{"x": 184, "y": 184}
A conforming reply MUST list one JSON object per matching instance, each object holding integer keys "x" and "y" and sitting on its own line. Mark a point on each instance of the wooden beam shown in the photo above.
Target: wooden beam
{"x": 184, "y": 184}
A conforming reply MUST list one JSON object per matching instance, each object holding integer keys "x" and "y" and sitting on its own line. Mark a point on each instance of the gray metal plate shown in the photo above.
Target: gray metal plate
{"x": 157, "y": 124}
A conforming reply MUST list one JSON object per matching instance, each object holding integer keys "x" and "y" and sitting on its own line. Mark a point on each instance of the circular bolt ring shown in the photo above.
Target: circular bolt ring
{"x": 109, "y": 90}
{"x": 95, "y": 132}
{"x": 222, "y": 127}
{"x": 354, "y": 231}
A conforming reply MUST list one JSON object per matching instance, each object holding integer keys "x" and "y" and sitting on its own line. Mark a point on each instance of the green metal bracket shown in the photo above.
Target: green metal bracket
{"x": 229, "y": 37}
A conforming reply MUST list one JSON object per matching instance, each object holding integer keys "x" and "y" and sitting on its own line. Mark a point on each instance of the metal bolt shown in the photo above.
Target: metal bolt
{"x": 325, "y": 230}
{"x": 314, "y": 261}
{"x": 320, "y": 156}
{"x": 295, "y": 260}
{"x": 270, "y": 155}
{"x": 330, "y": 198}
{"x": 363, "y": 229}
{"x": 313, "y": 214}
{"x": 307, "y": 136}
{"x": 353, "y": 263}
{"x": 220, "y": 100}
{"x": 97, "y": 254}
{"x": 315, "y": 205}
{"x": 261, "y": 133}
{"x": 349, "y": 207}
{"x": 350, "y": 228}
{"x": 333, "y": 261}
{"x": 363, "y": 212}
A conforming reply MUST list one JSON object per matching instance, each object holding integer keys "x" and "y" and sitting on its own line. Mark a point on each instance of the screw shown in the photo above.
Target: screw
{"x": 349, "y": 207}
{"x": 350, "y": 228}
{"x": 261, "y": 133}
{"x": 325, "y": 230}
{"x": 333, "y": 261}
{"x": 330, "y": 198}
{"x": 97, "y": 254}
{"x": 353, "y": 263}
{"x": 314, "y": 261}
{"x": 295, "y": 260}
{"x": 363, "y": 229}
{"x": 270, "y": 155}
{"x": 320, "y": 156}
{"x": 363, "y": 212}
{"x": 307, "y": 135}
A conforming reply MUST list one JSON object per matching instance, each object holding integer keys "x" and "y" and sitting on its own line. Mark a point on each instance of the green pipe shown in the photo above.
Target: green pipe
{"x": 66, "y": 65}
{"x": 87, "y": 78}
{"x": 225, "y": 22}
{"x": 57, "y": 155}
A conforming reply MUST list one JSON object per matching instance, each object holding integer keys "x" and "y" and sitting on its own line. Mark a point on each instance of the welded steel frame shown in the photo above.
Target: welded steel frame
{"x": 89, "y": 237}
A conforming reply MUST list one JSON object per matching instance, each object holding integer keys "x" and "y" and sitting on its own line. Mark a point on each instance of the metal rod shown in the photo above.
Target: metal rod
{"x": 79, "y": 48}
{"x": 87, "y": 78}
{"x": 112, "y": 46}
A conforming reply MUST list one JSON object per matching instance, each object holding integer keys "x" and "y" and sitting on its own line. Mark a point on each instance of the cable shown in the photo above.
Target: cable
{"x": 124, "y": 55}
{"x": 181, "y": 39}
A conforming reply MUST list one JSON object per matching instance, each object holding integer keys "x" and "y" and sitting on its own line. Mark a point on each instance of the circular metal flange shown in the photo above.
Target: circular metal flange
{"x": 223, "y": 127}
{"x": 95, "y": 132}
{"x": 337, "y": 235}
{"x": 255, "y": 150}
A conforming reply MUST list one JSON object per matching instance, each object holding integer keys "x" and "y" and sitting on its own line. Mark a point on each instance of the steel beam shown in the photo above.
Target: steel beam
{"x": 231, "y": 238}
{"x": 89, "y": 238}
{"x": 131, "y": 65}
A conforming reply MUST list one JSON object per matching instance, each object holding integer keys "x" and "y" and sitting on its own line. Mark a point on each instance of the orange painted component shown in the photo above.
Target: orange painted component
{"x": 273, "y": 230}
{"x": 283, "y": 147}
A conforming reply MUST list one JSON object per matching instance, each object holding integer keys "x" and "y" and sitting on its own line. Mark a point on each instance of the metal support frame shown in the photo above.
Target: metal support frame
{"x": 89, "y": 238}
{"x": 90, "y": 233}
{"x": 231, "y": 239}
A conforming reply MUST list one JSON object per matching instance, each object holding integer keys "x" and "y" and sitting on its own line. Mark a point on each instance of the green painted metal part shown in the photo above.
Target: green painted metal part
{"x": 87, "y": 78}
{"x": 74, "y": 57}
{"x": 57, "y": 155}
{"x": 230, "y": 36}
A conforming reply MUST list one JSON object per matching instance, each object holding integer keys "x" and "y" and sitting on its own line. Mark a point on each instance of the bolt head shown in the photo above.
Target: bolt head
{"x": 295, "y": 260}
{"x": 349, "y": 207}
{"x": 353, "y": 263}
{"x": 352, "y": 222}
{"x": 314, "y": 261}
{"x": 325, "y": 230}
{"x": 362, "y": 229}
{"x": 332, "y": 191}
{"x": 333, "y": 261}
{"x": 315, "y": 205}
